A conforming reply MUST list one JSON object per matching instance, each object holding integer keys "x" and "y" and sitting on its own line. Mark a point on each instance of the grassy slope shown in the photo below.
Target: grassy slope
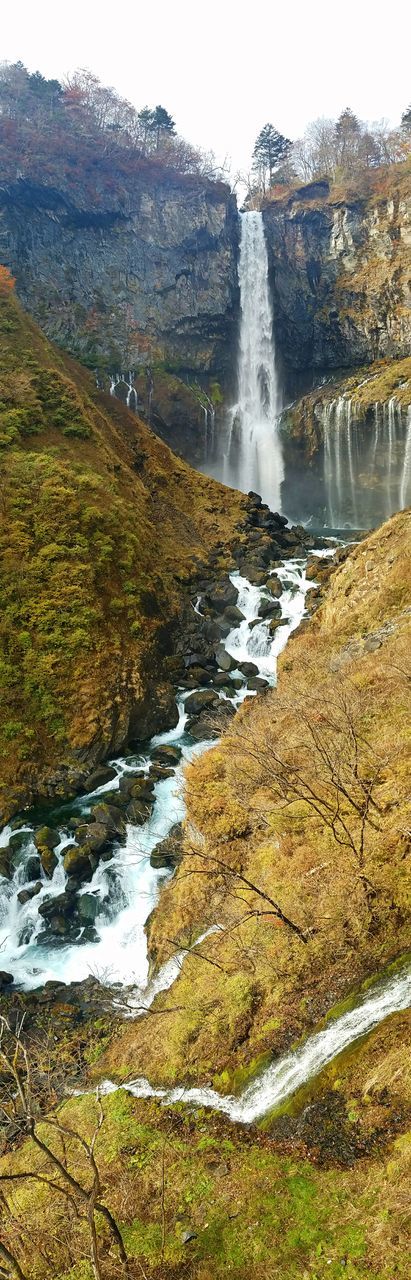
{"x": 99, "y": 528}
{"x": 266, "y": 987}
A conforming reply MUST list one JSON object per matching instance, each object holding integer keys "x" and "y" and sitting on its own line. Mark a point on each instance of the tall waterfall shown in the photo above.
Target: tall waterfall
{"x": 254, "y": 454}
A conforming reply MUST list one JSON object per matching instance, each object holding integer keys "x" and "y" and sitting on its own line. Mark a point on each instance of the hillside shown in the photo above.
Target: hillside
{"x": 101, "y": 527}
{"x": 321, "y": 1188}
{"x": 307, "y": 807}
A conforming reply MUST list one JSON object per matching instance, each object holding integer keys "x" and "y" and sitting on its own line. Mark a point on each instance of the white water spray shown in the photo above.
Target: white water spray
{"x": 254, "y": 455}
{"x": 367, "y": 465}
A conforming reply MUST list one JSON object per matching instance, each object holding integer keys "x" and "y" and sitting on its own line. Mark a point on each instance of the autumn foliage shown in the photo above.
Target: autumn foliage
{"x": 7, "y": 281}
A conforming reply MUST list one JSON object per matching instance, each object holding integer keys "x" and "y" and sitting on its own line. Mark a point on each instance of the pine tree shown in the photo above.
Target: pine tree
{"x": 271, "y": 149}
{"x": 406, "y": 118}
{"x": 163, "y": 123}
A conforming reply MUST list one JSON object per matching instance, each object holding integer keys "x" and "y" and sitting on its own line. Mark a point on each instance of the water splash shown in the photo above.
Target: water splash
{"x": 253, "y": 455}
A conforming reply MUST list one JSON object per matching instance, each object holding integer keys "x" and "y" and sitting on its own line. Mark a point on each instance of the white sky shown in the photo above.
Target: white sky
{"x": 224, "y": 67}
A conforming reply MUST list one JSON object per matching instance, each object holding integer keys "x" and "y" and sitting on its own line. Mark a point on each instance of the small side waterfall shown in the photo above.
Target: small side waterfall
{"x": 367, "y": 464}
{"x": 122, "y": 386}
{"x": 254, "y": 455}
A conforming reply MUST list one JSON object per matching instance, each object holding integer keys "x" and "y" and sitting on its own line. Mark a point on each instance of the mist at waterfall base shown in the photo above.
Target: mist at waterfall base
{"x": 361, "y": 473}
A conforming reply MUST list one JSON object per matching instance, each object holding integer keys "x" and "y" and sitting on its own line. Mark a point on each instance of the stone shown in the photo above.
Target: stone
{"x": 25, "y": 895}
{"x": 77, "y": 863}
{"x": 6, "y": 868}
{"x": 222, "y": 594}
{"x": 248, "y": 668}
{"x": 257, "y": 683}
{"x": 233, "y": 614}
{"x": 268, "y": 608}
{"x": 6, "y": 979}
{"x": 196, "y": 676}
{"x": 138, "y": 813}
{"x": 88, "y": 907}
{"x": 33, "y": 867}
{"x": 224, "y": 660}
{"x": 198, "y": 702}
{"x": 254, "y": 499}
{"x": 110, "y": 817}
{"x": 54, "y": 908}
{"x": 94, "y": 837}
{"x": 274, "y": 586}
{"x": 99, "y": 777}
{"x": 167, "y": 754}
{"x": 156, "y": 712}
{"x": 254, "y": 573}
{"x": 168, "y": 852}
{"x": 46, "y": 838}
{"x": 276, "y": 622}
{"x": 48, "y": 862}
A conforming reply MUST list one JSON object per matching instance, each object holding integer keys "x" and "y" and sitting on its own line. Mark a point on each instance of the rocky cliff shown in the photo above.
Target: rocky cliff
{"x": 340, "y": 264}
{"x": 150, "y": 273}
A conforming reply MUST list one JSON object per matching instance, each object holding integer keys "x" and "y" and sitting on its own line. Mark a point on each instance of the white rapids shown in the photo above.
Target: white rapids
{"x": 281, "y": 1080}
{"x": 126, "y": 885}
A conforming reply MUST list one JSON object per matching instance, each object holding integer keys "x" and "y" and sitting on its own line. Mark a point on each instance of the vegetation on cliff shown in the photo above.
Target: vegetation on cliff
{"x": 372, "y": 385}
{"x": 100, "y": 527}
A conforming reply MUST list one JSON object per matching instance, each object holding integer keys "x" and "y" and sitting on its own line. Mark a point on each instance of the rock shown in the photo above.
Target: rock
{"x": 77, "y": 863}
{"x": 201, "y": 730}
{"x": 105, "y": 773}
{"x": 94, "y": 837}
{"x": 254, "y": 499}
{"x": 233, "y": 614}
{"x": 168, "y": 754}
{"x": 110, "y": 817}
{"x": 248, "y": 668}
{"x": 256, "y": 683}
{"x": 155, "y": 713}
{"x": 46, "y": 838}
{"x": 168, "y": 852}
{"x": 224, "y": 660}
{"x": 48, "y": 861}
{"x": 63, "y": 904}
{"x": 276, "y": 622}
{"x": 138, "y": 812}
{"x": 196, "y": 676}
{"x": 220, "y": 680}
{"x": 33, "y": 867}
{"x": 88, "y": 907}
{"x": 197, "y": 702}
{"x": 6, "y": 868}
{"x": 25, "y": 895}
{"x": 254, "y": 573}
{"x": 274, "y": 586}
{"x": 268, "y": 608}
{"x": 159, "y": 771}
{"x": 222, "y": 594}
{"x": 186, "y": 1236}
{"x": 6, "y": 979}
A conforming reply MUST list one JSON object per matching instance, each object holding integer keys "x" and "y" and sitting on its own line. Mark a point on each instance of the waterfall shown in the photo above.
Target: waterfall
{"x": 124, "y": 383}
{"x": 367, "y": 463}
{"x": 254, "y": 454}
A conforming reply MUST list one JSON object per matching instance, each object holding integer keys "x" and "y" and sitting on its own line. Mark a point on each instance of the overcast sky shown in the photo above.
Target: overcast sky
{"x": 225, "y": 67}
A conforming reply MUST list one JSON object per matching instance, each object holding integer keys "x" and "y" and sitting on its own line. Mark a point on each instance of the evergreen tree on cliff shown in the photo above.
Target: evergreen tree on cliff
{"x": 271, "y": 149}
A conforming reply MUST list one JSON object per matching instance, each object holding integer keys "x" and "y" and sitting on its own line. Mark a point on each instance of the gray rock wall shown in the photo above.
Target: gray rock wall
{"x": 340, "y": 276}
{"x": 156, "y": 275}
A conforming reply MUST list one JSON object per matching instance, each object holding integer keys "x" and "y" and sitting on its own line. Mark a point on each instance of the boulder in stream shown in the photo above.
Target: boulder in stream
{"x": 221, "y": 594}
{"x": 200, "y": 701}
{"x": 224, "y": 659}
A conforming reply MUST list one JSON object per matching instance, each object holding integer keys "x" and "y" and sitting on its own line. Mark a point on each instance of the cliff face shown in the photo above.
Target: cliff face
{"x": 152, "y": 274}
{"x": 340, "y": 268}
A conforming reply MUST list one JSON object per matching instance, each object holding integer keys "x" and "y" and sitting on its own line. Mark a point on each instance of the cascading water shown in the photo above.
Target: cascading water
{"x": 367, "y": 463}
{"x": 280, "y": 1080}
{"x": 125, "y": 886}
{"x": 254, "y": 456}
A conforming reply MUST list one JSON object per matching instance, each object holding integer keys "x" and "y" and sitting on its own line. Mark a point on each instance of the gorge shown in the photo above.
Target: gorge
{"x": 204, "y": 857}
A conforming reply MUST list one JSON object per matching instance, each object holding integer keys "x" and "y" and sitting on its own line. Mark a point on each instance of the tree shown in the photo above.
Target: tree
{"x": 406, "y": 119}
{"x": 271, "y": 149}
{"x": 162, "y": 123}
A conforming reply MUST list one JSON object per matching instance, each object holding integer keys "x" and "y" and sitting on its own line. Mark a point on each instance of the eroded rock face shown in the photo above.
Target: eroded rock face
{"x": 340, "y": 274}
{"x": 161, "y": 266}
